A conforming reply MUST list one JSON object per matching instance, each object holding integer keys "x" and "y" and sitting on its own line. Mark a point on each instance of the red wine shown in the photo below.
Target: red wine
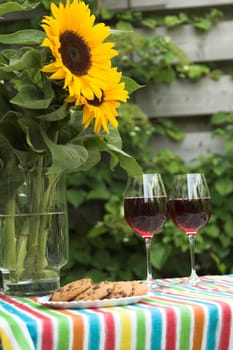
{"x": 146, "y": 216}
{"x": 189, "y": 214}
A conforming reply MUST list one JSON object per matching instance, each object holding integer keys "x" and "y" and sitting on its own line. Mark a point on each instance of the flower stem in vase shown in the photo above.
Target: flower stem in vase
{"x": 9, "y": 236}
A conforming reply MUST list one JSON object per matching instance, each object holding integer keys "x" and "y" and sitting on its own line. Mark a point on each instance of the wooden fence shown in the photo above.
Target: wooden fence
{"x": 191, "y": 103}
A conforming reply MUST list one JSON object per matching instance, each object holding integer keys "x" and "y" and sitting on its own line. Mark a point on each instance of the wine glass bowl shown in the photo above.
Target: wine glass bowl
{"x": 145, "y": 208}
{"x": 189, "y": 206}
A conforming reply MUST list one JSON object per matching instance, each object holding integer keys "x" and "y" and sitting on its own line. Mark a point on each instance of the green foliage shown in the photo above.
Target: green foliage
{"x": 151, "y": 21}
{"x": 36, "y": 122}
{"x": 11, "y": 6}
{"x": 100, "y": 229}
{"x": 203, "y": 23}
{"x": 153, "y": 58}
{"x": 101, "y": 241}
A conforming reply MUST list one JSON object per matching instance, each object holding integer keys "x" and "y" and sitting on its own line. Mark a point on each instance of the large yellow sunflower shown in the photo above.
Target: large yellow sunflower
{"x": 104, "y": 110}
{"x": 77, "y": 44}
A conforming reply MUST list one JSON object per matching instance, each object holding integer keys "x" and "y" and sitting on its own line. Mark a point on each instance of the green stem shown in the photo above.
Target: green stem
{"x": 10, "y": 237}
{"x": 46, "y": 219}
{"x": 42, "y": 192}
{"x": 37, "y": 190}
{"x": 22, "y": 247}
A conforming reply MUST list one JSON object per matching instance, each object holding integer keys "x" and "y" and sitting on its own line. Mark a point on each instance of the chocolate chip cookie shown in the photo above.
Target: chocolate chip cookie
{"x": 121, "y": 289}
{"x": 99, "y": 290}
{"x": 71, "y": 290}
{"x": 139, "y": 288}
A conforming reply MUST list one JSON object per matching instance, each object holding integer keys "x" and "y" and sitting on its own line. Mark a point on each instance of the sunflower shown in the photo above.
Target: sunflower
{"x": 104, "y": 110}
{"x": 82, "y": 58}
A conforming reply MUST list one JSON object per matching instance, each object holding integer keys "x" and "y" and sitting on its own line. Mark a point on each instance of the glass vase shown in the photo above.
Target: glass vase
{"x": 33, "y": 231}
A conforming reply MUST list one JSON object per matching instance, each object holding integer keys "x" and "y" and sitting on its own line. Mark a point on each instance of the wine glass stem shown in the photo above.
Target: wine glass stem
{"x": 192, "y": 256}
{"x": 148, "y": 261}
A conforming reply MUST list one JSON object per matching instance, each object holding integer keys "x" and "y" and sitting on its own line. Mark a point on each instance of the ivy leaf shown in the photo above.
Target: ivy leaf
{"x": 164, "y": 74}
{"x": 221, "y": 118}
{"x": 159, "y": 255}
{"x": 228, "y": 226}
{"x": 150, "y": 22}
{"x": 228, "y": 145}
{"x": 202, "y": 23}
{"x": 75, "y": 197}
{"x": 196, "y": 71}
{"x": 224, "y": 186}
{"x": 171, "y": 21}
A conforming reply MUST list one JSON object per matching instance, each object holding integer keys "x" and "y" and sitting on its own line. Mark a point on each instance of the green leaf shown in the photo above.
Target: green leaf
{"x": 11, "y": 6}
{"x": 224, "y": 186}
{"x": 221, "y": 118}
{"x": 202, "y": 23}
{"x": 228, "y": 145}
{"x": 171, "y": 21}
{"x": 106, "y": 14}
{"x": 31, "y": 96}
{"x": 33, "y": 134}
{"x": 23, "y": 59}
{"x": 75, "y": 197}
{"x": 196, "y": 71}
{"x": 114, "y": 137}
{"x": 228, "y": 226}
{"x": 150, "y": 22}
{"x": 23, "y": 37}
{"x": 58, "y": 114}
{"x": 96, "y": 231}
{"x": 127, "y": 162}
{"x": 212, "y": 230}
{"x": 159, "y": 255}
{"x": 93, "y": 158}
{"x": 130, "y": 84}
{"x": 99, "y": 193}
{"x": 164, "y": 74}
{"x": 67, "y": 157}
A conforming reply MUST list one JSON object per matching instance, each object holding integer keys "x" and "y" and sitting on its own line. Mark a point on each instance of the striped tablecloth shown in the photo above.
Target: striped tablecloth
{"x": 179, "y": 318}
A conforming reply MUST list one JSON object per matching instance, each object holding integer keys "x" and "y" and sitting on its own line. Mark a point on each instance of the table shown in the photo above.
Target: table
{"x": 179, "y": 318}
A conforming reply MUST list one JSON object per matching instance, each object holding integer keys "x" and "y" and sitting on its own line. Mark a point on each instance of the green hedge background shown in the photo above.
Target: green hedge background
{"x": 102, "y": 245}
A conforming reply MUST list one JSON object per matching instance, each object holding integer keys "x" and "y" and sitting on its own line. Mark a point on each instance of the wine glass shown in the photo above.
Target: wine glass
{"x": 189, "y": 207}
{"x": 145, "y": 208}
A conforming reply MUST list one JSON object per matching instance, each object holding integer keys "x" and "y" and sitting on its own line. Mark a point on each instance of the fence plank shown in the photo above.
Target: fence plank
{"x": 194, "y": 144}
{"x": 185, "y": 98}
{"x": 214, "y": 45}
{"x": 174, "y": 4}
{"x": 162, "y": 4}
{"x": 115, "y": 5}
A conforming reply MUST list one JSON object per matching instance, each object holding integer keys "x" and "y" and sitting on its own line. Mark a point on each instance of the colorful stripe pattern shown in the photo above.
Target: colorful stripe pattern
{"x": 178, "y": 318}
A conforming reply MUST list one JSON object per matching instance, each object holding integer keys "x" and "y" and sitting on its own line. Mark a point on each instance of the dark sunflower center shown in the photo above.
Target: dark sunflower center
{"x": 75, "y": 53}
{"x": 96, "y": 101}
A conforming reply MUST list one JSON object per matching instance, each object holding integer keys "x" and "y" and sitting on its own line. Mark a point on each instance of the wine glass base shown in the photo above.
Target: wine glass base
{"x": 154, "y": 287}
{"x": 196, "y": 281}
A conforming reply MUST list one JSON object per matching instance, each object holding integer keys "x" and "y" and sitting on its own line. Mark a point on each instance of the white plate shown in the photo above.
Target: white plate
{"x": 90, "y": 303}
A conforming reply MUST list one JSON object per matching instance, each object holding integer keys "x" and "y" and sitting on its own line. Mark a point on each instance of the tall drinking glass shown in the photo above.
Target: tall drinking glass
{"x": 145, "y": 207}
{"x": 189, "y": 207}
